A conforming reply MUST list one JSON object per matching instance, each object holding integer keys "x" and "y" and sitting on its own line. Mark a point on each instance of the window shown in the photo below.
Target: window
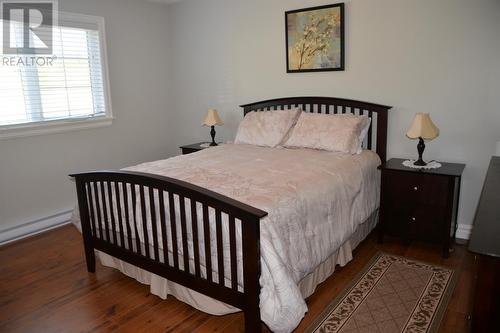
{"x": 53, "y": 93}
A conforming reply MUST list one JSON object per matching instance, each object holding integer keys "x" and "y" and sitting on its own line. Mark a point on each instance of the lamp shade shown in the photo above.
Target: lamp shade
{"x": 422, "y": 127}
{"x": 212, "y": 118}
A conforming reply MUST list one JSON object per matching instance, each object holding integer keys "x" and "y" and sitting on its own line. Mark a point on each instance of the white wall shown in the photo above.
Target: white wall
{"x": 33, "y": 170}
{"x": 441, "y": 57}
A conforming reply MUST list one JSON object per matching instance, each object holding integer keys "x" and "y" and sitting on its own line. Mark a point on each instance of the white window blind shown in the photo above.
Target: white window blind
{"x": 69, "y": 85}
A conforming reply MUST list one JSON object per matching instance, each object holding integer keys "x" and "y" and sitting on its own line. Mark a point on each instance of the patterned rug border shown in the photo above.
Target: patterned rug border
{"x": 437, "y": 317}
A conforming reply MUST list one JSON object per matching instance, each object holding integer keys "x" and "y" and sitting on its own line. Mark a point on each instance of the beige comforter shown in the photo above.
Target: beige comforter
{"x": 315, "y": 201}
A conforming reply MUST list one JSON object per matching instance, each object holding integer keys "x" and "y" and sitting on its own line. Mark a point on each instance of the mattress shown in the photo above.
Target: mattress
{"x": 315, "y": 200}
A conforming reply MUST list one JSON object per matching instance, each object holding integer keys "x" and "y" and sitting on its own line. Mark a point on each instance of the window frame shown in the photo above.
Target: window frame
{"x": 70, "y": 124}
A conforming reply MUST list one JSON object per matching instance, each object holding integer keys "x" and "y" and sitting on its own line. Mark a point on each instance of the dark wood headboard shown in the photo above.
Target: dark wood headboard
{"x": 375, "y": 140}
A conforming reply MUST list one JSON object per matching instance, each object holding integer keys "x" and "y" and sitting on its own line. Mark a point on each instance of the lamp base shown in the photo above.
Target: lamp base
{"x": 420, "y": 162}
{"x": 212, "y": 134}
{"x": 420, "y": 149}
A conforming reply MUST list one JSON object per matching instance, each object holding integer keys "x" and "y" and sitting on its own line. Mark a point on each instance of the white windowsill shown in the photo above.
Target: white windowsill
{"x": 53, "y": 126}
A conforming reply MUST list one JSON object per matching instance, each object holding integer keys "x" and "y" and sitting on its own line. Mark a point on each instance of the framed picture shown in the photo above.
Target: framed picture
{"x": 315, "y": 39}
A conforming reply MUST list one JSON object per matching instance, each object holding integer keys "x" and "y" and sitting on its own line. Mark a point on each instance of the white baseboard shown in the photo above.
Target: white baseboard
{"x": 35, "y": 227}
{"x": 463, "y": 231}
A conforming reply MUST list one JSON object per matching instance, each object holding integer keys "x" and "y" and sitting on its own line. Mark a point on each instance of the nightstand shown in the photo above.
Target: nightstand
{"x": 188, "y": 149}
{"x": 420, "y": 204}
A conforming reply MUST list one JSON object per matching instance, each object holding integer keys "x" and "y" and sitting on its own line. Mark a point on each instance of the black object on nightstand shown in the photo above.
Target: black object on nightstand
{"x": 188, "y": 149}
{"x": 420, "y": 204}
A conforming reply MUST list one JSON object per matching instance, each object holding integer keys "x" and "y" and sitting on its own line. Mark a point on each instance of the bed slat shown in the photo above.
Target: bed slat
{"x": 119, "y": 217}
{"x": 208, "y": 252}
{"x": 91, "y": 209}
{"x": 370, "y": 132}
{"x": 111, "y": 212}
{"x": 133, "y": 190}
{"x": 154, "y": 228}
{"x": 173, "y": 229}
{"x": 127, "y": 217}
{"x": 163, "y": 226}
{"x": 220, "y": 250}
{"x": 233, "y": 253}
{"x": 105, "y": 212}
{"x": 142, "y": 200}
{"x": 185, "y": 252}
{"x": 196, "y": 248}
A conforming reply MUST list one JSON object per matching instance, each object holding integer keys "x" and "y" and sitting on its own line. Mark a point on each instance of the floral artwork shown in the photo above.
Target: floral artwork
{"x": 315, "y": 39}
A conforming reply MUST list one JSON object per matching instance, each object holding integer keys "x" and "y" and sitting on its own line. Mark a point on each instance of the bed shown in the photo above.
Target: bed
{"x": 157, "y": 221}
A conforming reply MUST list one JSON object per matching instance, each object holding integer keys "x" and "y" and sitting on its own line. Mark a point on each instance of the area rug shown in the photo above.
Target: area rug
{"x": 391, "y": 294}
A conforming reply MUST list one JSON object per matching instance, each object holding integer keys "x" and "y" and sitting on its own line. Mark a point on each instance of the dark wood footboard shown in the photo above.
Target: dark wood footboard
{"x": 118, "y": 208}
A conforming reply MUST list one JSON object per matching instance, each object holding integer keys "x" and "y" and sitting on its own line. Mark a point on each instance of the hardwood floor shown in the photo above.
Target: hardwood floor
{"x": 44, "y": 287}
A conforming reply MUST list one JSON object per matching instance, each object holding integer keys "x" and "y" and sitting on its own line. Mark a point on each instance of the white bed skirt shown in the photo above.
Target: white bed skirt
{"x": 162, "y": 287}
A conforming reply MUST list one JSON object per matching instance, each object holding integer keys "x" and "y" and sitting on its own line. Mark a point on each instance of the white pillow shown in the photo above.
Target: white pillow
{"x": 337, "y": 132}
{"x": 266, "y": 128}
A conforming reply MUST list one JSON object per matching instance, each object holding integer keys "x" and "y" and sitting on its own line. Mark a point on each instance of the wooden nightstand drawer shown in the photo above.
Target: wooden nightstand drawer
{"x": 415, "y": 189}
{"x": 419, "y": 222}
{"x": 420, "y": 204}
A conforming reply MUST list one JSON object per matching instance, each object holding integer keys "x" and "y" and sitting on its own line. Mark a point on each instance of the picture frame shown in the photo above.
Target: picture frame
{"x": 315, "y": 39}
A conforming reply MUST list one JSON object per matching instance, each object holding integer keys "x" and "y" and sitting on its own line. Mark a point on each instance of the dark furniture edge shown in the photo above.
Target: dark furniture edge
{"x": 483, "y": 225}
{"x": 189, "y": 188}
{"x": 315, "y": 98}
{"x": 194, "y": 145}
{"x": 459, "y": 168}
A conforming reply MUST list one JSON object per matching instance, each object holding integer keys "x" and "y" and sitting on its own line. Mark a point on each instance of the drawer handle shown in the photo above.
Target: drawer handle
{"x": 413, "y": 219}
{"x": 415, "y": 188}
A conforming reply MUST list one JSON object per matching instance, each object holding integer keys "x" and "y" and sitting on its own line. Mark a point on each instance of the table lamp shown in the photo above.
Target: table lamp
{"x": 422, "y": 128}
{"x": 212, "y": 119}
